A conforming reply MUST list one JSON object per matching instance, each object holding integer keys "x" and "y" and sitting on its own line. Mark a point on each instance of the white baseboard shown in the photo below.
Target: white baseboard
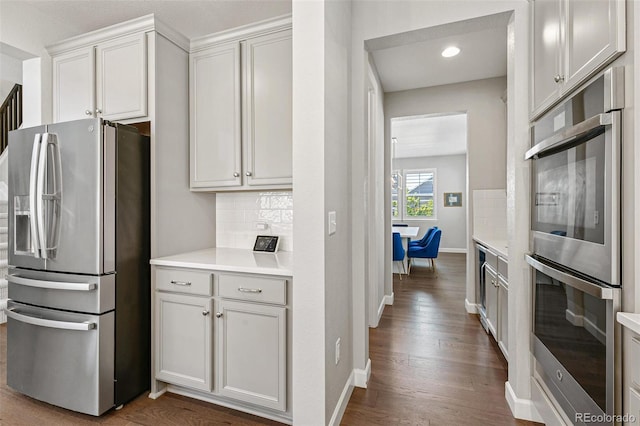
{"x": 388, "y": 300}
{"x": 341, "y": 406}
{"x": 156, "y": 395}
{"x": 361, "y": 377}
{"x": 380, "y": 311}
{"x": 522, "y": 409}
{"x": 452, "y": 250}
{"x": 471, "y": 308}
{"x": 191, "y": 393}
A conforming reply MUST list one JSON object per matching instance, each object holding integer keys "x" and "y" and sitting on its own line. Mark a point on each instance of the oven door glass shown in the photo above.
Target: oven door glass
{"x": 569, "y": 191}
{"x": 573, "y": 326}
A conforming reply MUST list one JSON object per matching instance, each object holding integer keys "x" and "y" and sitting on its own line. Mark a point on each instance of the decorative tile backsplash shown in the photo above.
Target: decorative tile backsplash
{"x": 239, "y": 214}
{"x": 490, "y": 213}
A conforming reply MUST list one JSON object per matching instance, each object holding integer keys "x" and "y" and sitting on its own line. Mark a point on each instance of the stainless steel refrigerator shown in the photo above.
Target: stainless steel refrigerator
{"x": 78, "y": 332}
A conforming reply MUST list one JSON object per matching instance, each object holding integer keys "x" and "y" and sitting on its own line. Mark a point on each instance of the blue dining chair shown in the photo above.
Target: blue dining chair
{"x": 398, "y": 251}
{"x": 429, "y": 251}
{"x": 423, "y": 240}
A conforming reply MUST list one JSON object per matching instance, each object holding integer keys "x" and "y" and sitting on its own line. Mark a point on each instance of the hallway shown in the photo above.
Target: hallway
{"x": 432, "y": 363}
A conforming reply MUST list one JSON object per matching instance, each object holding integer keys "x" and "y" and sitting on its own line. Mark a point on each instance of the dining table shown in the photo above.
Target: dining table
{"x": 406, "y": 233}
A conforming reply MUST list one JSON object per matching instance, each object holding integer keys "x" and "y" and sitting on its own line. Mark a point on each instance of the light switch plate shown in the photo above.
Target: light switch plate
{"x": 332, "y": 223}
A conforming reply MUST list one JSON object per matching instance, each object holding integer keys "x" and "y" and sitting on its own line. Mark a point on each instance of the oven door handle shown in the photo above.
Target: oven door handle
{"x": 41, "y": 322}
{"x": 51, "y": 285}
{"x": 571, "y": 133}
{"x": 603, "y": 293}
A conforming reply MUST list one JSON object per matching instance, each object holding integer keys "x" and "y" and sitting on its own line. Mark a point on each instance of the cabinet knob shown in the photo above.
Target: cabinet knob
{"x": 248, "y": 174}
{"x": 98, "y": 111}
{"x": 87, "y": 112}
{"x": 205, "y": 313}
{"x": 236, "y": 174}
{"x": 558, "y": 78}
{"x": 218, "y": 314}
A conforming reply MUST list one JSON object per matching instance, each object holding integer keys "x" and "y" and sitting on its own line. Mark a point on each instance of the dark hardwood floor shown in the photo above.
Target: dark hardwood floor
{"x": 432, "y": 363}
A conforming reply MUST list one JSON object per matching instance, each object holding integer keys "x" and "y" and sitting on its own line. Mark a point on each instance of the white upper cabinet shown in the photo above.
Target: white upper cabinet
{"x": 73, "y": 85}
{"x": 571, "y": 41}
{"x": 105, "y": 79}
{"x": 546, "y": 51}
{"x": 215, "y": 117}
{"x": 267, "y": 113}
{"x": 121, "y": 78}
{"x": 240, "y": 109}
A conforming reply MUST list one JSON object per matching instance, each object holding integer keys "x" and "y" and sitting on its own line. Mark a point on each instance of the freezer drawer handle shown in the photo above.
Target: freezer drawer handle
{"x": 53, "y": 285}
{"x": 41, "y": 322}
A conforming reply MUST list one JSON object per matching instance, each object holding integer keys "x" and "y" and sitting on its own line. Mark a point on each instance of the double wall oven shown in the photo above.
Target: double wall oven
{"x": 575, "y": 236}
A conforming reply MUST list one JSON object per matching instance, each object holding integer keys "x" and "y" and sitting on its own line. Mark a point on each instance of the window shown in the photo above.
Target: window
{"x": 418, "y": 200}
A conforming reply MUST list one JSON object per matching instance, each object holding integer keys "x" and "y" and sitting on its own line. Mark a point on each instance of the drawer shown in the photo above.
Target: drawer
{"x": 491, "y": 259}
{"x": 503, "y": 267}
{"x": 184, "y": 281}
{"x": 256, "y": 289}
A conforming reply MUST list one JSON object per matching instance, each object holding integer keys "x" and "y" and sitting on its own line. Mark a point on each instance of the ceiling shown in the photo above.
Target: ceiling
{"x": 55, "y": 20}
{"x": 413, "y": 60}
{"x": 429, "y": 135}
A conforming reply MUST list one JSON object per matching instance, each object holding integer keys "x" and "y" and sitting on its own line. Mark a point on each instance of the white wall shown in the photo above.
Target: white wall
{"x": 309, "y": 213}
{"x": 10, "y": 74}
{"x": 451, "y": 176}
{"x": 321, "y": 130}
{"x": 239, "y": 213}
{"x": 377, "y": 19}
{"x": 337, "y": 194}
{"x": 181, "y": 220}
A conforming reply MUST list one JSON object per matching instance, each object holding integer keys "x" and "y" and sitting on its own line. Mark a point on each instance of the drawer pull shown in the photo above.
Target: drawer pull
{"x": 183, "y": 283}
{"x": 249, "y": 290}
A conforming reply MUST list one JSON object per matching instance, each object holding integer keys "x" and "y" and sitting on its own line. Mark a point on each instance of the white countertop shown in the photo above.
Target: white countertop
{"x": 498, "y": 246}
{"x": 631, "y": 321}
{"x": 233, "y": 260}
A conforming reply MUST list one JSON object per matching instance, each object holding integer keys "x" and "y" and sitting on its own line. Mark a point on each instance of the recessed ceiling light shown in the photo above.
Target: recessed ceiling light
{"x": 450, "y": 51}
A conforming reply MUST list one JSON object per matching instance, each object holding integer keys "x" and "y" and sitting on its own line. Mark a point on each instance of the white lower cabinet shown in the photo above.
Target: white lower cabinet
{"x": 503, "y": 329}
{"x": 183, "y": 340}
{"x": 491, "y": 299}
{"x": 252, "y": 353}
{"x": 236, "y": 354}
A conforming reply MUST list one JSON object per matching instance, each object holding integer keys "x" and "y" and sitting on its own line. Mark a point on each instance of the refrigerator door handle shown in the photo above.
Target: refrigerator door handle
{"x": 49, "y": 229}
{"x": 42, "y": 170}
{"x": 42, "y": 322}
{"x": 33, "y": 184}
{"x": 52, "y": 285}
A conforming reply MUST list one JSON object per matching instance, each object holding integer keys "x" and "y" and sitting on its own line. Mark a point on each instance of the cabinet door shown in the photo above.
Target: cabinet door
{"x": 252, "y": 346}
{"x": 215, "y": 117}
{"x": 267, "y": 112}
{"x": 121, "y": 78}
{"x": 183, "y": 340}
{"x": 503, "y": 315}
{"x": 491, "y": 295}
{"x": 73, "y": 85}
{"x": 595, "y": 34}
{"x": 545, "y": 64}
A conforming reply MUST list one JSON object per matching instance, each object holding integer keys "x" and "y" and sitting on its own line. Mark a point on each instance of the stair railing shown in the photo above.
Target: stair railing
{"x": 10, "y": 115}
